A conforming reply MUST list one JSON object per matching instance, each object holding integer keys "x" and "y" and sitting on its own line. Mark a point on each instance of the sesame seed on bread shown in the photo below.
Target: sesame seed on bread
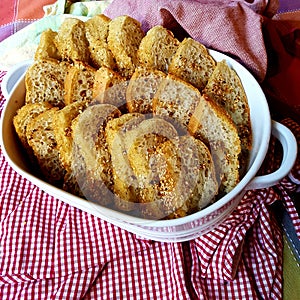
{"x": 144, "y": 124}
{"x": 79, "y": 83}
{"x": 212, "y": 124}
{"x": 176, "y": 100}
{"x": 192, "y": 63}
{"x": 157, "y": 48}
{"x": 44, "y": 82}
{"x": 141, "y": 89}
{"x": 124, "y": 37}
{"x": 90, "y": 152}
{"x": 196, "y": 185}
{"x": 47, "y": 47}
{"x": 41, "y": 138}
{"x": 96, "y": 29}
{"x": 154, "y": 179}
{"x": 71, "y": 41}
{"x": 125, "y": 186}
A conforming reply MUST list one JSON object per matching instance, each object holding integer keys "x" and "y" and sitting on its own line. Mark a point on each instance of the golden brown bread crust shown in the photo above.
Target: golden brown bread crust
{"x": 71, "y": 41}
{"x": 192, "y": 63}
{"x": 154, "y": 178}
{"x": 104, "y": 79}
{"x": 212, "y": 124}
{"x": 23, "y": 117}
{"x": 176, "y": 100}
{"x": 62, "y": 126}
{"x": 44, "y": 82}
{"x": 96, "y": 30}
{"x": 47, "y": 47}
{"x": 157, "y": 48}
{"x": 110, "y": 87}
{"x": 124, "y": 37}
{"x": 141, "y": 89}
{"x": 41, "y": 138}
{"x": 79, "y": 83}
{"x": 125, "y": 186}
{"x": 91, "y": 160}
{"x": 225, "y": 88}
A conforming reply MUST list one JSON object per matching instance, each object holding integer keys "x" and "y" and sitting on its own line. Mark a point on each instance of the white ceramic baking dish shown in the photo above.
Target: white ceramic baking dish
{"x": 181, "y": 229}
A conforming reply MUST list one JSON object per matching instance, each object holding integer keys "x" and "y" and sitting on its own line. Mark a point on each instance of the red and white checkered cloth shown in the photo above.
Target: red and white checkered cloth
{"x": 51, "y": 250}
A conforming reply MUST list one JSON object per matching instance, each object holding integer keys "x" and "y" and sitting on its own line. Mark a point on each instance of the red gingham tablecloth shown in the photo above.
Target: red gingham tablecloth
{"x": 51, "y": 250}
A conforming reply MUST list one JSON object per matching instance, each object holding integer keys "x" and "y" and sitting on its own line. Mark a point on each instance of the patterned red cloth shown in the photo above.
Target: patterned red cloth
{"x": 51, "y": 250}
{"x": 18, "y": 14}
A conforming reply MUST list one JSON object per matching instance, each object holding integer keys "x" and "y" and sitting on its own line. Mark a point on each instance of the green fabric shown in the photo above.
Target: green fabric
{"x": 87, "y": 8}
{"x": 291, "y": 273}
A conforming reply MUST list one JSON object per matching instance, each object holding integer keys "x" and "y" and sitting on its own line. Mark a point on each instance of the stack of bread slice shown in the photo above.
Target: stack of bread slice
{"x": 141, "y": 122}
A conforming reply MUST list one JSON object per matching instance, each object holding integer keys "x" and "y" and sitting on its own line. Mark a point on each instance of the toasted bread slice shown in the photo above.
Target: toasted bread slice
{"x": 176, "y": 99}
{"x": 24, "y": 116}
{"x": 91, "y": 153}
{"x": 196, "y": 184}
{"x": 110, "y": 87}
{"x": 125, "y": 186}
{"x": 214, "y": 126}
{"x": 192, "y": 63}
{"x": 75, "y": 168}
{"x": 47, "y": 47}
{"x": 62, "y": 125}
{"x": 141, "y": 89}
{"x": 102, "y": 57}
{"x": 225, "y": 88}
{"x": 75, "y": 180}
{"x": 44, "y": 82}
{"x": 40, "y": 136}
{"x": 157, "y": 48}
{"x": 79, "y": 83}
{"x": 96, "y": 29}
{"x": 124, "y": 37}
{"x": 152, "y": 176}
{"x": 71, "y": 41}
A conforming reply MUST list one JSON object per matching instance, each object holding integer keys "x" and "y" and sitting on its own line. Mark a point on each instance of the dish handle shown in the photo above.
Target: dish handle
{"x": 289, "y": 147}
{"x": 13, "y": 76}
